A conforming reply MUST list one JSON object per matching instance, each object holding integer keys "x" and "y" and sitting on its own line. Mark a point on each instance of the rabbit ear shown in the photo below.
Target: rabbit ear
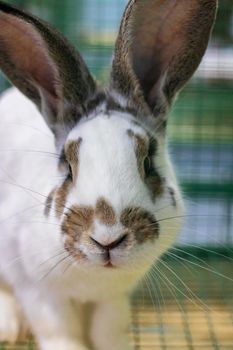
{"x": 44, "y": 66}
{"x": 159, "y": 46}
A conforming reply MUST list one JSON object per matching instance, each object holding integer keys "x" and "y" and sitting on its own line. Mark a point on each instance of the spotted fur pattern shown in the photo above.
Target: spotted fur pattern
{"x": 78, "y": 225}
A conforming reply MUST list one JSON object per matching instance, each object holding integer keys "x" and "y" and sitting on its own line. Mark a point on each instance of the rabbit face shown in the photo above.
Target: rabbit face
{"x": 103, "y": 159}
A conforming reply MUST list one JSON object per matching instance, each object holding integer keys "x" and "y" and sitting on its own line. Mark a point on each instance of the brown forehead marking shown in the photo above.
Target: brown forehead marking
{"x": 72, "y": 149}
{"x": 142, "y": 223}
{"x": 105, "y": 212}
{"x": 48, "y": 202}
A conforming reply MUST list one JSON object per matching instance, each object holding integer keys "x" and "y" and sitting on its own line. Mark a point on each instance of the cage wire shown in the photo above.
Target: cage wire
{"x": 186, "y": 301}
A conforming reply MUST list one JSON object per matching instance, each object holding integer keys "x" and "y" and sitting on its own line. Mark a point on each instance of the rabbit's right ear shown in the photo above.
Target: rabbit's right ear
{"x": 159, "y": 46}
{"x": 45, "y": 67}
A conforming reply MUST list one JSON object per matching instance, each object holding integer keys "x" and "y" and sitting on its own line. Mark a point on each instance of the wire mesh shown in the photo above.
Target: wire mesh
{"x": 194, "y": 312}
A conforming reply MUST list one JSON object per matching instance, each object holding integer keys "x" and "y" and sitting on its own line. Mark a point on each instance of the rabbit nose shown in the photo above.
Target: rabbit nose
{"x": 110, "y": 246}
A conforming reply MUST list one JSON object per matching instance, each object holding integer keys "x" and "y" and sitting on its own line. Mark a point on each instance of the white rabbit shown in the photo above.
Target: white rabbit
{"x": 89, "y": 199}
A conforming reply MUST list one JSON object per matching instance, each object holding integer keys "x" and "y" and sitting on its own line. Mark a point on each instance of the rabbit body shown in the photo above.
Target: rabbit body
{"x": 89, "y": 198}
{"x": 31, "y": 246}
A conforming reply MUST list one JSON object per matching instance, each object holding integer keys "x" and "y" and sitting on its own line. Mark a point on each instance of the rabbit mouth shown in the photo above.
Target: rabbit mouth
{"x": 109, "y": 265}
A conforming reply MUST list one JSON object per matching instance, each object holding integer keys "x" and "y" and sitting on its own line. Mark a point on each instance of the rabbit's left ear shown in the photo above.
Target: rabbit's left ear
{"x": 159, "y": 46}
{"x": 45, "y": 67}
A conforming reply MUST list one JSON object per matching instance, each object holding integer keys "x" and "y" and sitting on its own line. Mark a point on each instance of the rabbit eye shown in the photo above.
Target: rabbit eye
{"x": 147, "y": 166}
{"x": 70, "y": 172}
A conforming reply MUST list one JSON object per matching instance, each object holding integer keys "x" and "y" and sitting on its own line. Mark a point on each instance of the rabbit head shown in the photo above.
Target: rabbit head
{"x": 119, "y": 194}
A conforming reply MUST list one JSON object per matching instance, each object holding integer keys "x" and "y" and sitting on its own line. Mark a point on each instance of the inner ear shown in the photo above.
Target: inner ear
{"x": 39, "y": 61}
{"x": 159, "y": 46}
{"x": 26, "y": 60}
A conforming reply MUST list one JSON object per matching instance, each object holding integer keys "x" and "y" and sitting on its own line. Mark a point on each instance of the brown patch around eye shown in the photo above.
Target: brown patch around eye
{"x": 105, "y": 212}
{"x": 142, "y": 223}
{"x": 61, "y": 196}
{"x": 72, "y": 153}
{"x": 141, "y": 150}
{"x": 173, "y": 196}
{"x": 62, "y": 164}
{"x": 145, "y": 148}
{"x": 48, "y": 203}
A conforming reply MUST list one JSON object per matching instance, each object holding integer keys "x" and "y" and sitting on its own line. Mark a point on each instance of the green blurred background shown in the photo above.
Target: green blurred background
{"x": 201, "y": 122}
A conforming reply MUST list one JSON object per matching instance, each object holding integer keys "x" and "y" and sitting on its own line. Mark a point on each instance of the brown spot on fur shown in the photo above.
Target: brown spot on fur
{"x": 48, "y": 203}
{"x": 105, "y": 212}
{"x": 72, "y": 153}
{"x": 142, "y": 223}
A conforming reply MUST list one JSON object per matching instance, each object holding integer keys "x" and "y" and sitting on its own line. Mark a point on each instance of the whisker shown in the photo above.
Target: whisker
{"x": 20, "y": 212}
{"x": 55, "y": 155}
{"x": 54, "y": 267}
{"x": 192, "y": 294}
{"x": 211, "y": 251}
{"x": 207, "y": 269}
{"x": 28, "y": 126}
{"x": 170, "y": 288}
{"x": 61, "y": 252}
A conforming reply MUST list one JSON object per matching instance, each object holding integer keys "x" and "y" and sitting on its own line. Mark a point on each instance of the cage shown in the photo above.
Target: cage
{"x": 186, "y": 301}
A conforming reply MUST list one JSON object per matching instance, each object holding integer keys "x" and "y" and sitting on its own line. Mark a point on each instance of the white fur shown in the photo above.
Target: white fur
{"x": 30, "y": 242}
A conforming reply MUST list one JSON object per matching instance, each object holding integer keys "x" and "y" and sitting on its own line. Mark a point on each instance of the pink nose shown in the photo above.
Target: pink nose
{"x": 112, "y": 245}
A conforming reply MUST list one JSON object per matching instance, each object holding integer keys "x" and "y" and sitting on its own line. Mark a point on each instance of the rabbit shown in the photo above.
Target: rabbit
{"x": 89, "y": 197}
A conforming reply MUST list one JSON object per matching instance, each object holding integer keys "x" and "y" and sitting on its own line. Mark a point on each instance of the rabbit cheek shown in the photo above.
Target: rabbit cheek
{"x": 141, "y": 223}
{"x": 78, "y": 221}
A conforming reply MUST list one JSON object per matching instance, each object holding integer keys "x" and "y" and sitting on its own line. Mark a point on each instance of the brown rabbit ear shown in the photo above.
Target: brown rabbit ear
{"x": 159, "y": 46}
{"x": 44, "y": 66}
